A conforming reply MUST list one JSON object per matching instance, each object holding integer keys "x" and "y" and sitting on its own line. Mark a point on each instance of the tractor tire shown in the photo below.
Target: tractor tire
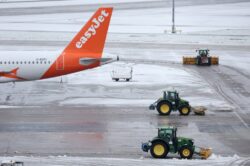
{"x": 184, "y": 110}
{"x": 186, "y": 152}
{"x": 164, "y": 108}
{"x": 159, "y": 149}
{"x": 209, "y": 61}
{"x": 198, "y": 61}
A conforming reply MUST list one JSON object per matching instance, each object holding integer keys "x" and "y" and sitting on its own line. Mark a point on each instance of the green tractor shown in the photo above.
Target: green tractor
{"x": 167, "y": 141}
{"x": 171, "y": 102}
{"x": 203, "y": 57}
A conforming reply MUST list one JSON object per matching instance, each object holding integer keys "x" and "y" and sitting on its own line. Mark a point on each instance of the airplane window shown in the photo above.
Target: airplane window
{"x": 24, "y": 62}
{"x": 4, "y": 62}
{"x": 9, "y": 62}
{"x": 29, "y": 62}
{"x": 0, "y": 62}
{"x": 33, "y": 62}
{"x": 45, "y": 62}
{"x": 13, "y": 62}
{"x": 41, "y": 62}
{"x": 16, "y": 62}
{"x": 37, "y": 62}
{"x": 21, "y": 62}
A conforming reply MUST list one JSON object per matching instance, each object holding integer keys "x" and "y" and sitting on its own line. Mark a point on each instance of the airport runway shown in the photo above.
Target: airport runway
{"x": 34, "y": 122}
{"x": 111, "y": 132}
{"x": 50, "y": 129}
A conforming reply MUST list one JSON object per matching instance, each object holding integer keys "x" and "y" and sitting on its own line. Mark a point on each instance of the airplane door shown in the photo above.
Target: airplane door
{"x": 60, "y": 62}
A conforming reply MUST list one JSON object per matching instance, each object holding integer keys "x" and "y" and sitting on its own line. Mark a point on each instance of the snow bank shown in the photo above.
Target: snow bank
{"x": 65, "y": 160}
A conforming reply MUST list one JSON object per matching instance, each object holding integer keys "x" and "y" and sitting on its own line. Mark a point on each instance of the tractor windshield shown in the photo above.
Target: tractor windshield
{"x": 203, "y": 52}
{"x": 165, "y": 133}
{"x": 171, "y": 95}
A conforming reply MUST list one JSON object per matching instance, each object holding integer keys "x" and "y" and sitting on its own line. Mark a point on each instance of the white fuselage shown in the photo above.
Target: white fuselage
{"x": 31, "y": 65}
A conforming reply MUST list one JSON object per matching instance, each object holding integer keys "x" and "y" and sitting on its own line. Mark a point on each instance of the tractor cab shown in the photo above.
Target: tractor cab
{"x": 168, "y": 132}
{"x": 203, "y": 57}
{"x": 171, "y": 95}
{"x": 169, "y": 135}
{"x": 203, "y": 52}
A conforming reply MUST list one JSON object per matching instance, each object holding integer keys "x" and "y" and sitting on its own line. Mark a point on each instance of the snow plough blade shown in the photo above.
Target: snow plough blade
{"x": 199, "y": 110}
{"x": 214, "y": 60}
{"x": 204, "y": 153}
{"x": 187, "y": 60}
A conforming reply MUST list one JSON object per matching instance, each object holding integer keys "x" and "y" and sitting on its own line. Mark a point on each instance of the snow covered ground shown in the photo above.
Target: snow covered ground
{"x": 214, "y": 160}
{"x": 155, "y": 69}
{"x": 36, "y": 3}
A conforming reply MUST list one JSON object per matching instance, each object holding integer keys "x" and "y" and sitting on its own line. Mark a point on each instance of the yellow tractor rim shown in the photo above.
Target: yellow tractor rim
{"x": 186, "y": 152}
{"x": 159, "y": 150}
{"x": 164, "y": 108}
{"x": 184, "y": 110}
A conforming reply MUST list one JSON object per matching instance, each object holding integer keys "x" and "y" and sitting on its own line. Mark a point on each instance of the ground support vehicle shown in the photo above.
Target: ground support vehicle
{"x": 202, "y": 59}
{"x": 168, "y": 142}
{"x": 171, "y": 102}
{"x": 122, "y": 73}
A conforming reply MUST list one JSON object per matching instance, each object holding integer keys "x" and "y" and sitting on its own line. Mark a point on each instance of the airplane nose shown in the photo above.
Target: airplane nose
{"x": 108, "y": 58}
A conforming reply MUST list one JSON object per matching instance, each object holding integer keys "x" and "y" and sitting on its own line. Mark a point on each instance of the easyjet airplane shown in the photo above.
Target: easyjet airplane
{"x": 83, "y": 52}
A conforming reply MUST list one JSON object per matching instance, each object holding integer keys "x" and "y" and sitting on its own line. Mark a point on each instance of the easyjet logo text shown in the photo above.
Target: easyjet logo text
{"x": 96, "y": 23}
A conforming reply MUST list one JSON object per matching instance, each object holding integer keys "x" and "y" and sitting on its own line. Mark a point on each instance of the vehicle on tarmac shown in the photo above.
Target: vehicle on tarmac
{"x": 122, "y": 73}
{"x": 202, "y": 59}
{"x": 171, "y": 102}
{"x": 167, "y": 142}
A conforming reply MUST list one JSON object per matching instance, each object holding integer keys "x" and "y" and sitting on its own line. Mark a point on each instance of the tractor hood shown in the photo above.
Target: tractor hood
{"x": 184, "y": 140}
{"x": 184, "y": 101}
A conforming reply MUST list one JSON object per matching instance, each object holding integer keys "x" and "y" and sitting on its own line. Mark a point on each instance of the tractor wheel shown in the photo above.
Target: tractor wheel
{"x": 198, "y": 61}
{"x": 209, "y": 61}
{"x": 159, "y": 149}
{"x": 186, "y": 152}
{"x": 164, "y": 108}
{"x": 184, "y": 110}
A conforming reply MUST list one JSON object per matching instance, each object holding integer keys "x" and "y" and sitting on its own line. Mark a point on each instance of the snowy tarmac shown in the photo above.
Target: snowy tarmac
{"x": 91, "y": 120}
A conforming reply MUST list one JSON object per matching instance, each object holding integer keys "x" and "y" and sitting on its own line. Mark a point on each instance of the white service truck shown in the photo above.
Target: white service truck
{"x": 122, "y": 73}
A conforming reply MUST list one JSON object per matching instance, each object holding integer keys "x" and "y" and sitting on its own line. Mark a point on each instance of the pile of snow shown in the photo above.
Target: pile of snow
{"x": 65, "y": 160}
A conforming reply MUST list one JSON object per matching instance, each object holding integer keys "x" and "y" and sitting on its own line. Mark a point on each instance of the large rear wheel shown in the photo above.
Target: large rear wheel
{"x": 164, "y": 108}
{"x": 159, "y": 149}
{"x": 186, "y": 152}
